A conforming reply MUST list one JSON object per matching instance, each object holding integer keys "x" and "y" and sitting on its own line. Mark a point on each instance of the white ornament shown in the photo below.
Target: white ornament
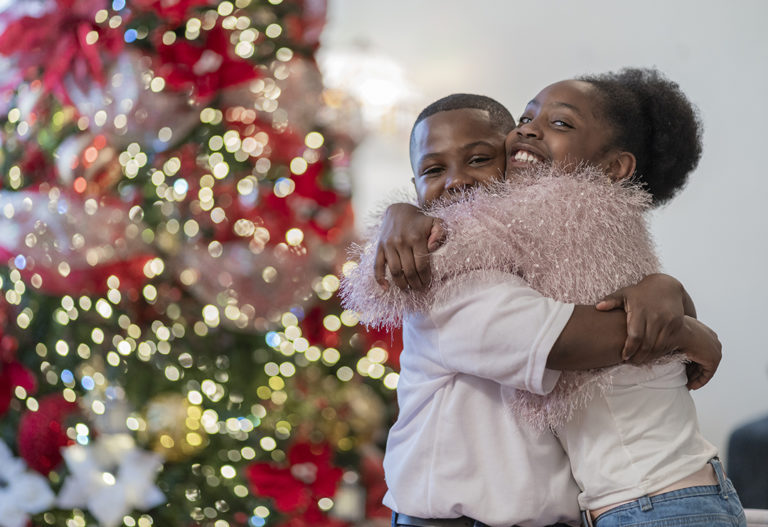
{"x": 22, "y": 492}
{"x": 110, "y": 478}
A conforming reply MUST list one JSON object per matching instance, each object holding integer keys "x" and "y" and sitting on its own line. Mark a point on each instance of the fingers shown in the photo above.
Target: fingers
{"x": 651, "y": 334}
{"x": 396, "y": 268}
{"x": 694, "y": 376}
{"x": 631, "y": 346}
{"x": 423, "y": 267}
{"x": 412, "y": 262}
{"x": 635, "y": 335}
{"x": 380, "y": 268}
{"x": 665, "y": 328}
{"x": 652, "y": 324}
{"x": 404, "y": 247}
{"x": 408, "y": 262}
{"x": 705, "y": 352}
{"x": 635, "y": 324}
{"x": 437, "y": 236}
{"x": 612, "y": 301}
{"x": 699, "y": 375}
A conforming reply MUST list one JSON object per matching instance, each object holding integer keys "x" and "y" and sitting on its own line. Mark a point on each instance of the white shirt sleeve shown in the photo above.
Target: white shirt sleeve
{"x": 501, "y": 330}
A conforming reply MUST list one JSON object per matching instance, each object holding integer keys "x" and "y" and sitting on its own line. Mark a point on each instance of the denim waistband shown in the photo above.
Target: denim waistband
{"x": 645, "y": 503}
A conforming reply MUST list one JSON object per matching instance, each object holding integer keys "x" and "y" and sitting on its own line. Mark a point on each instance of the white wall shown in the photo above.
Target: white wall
{"x": 713, "y": 236}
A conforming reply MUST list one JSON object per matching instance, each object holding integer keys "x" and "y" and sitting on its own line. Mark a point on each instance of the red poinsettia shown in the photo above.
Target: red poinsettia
{"x": 60, "y": 42}
{"x": 390, "y": 340}
{"x": 42, "y": 433}
{"x": 36, "y": 165}
{"x": 12, "y": 375}
{"x": 313, "y": 329}
{"x": 312, "y": 205}
{"x": 283, "y": 144}
{"x": 172, "y": 11}
{"x": 12, "y": 372}
{"x": 307, "y": 25}
{"x": 206, "y": 65}
{"x": 313, "y": 520}
{"x": 297, "y": 487}
{"x": 372, "y": 477}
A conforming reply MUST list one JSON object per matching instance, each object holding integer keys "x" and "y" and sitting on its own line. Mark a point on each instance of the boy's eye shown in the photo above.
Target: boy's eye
{"x": 523, "y": 120}
{"x": 431, "y": 171}
{"x": 479, "y": 159}
{"x": 561, "y": 123}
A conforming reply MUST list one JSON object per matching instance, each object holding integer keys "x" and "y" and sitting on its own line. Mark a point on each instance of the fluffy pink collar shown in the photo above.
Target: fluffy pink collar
{"x": 573, "y": 235}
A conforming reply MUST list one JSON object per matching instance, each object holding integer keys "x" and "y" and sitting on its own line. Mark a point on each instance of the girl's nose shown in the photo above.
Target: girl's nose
{"x": 528, "y": 129}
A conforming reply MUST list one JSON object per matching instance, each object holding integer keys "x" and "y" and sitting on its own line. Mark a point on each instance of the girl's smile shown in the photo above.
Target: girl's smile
{"x": 560, "y": 125}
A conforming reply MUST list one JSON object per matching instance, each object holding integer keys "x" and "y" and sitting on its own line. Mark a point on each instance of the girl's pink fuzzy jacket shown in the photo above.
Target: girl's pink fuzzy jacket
{"x": 572, "y": 234}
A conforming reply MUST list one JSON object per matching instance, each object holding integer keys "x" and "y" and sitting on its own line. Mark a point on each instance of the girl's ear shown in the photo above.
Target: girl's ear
{"x": 621, "y": 165}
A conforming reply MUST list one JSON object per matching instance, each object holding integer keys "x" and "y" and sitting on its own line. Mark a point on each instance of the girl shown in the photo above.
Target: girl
{"x": 635, "y": 450}
{"x": 634, "y": 447}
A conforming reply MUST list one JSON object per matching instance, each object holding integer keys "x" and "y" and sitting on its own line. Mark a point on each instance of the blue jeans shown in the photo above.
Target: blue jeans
{"x": 705, "y": 506}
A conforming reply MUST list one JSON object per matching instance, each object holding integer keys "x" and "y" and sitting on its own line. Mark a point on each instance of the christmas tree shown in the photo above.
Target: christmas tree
{"x": 174, "y": 214}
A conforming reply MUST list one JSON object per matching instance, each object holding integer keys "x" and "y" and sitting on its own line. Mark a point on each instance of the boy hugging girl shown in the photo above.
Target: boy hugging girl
{"x": 520, "y": 402}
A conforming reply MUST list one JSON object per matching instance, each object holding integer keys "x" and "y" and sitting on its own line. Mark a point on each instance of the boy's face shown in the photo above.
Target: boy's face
{"x": 455, "y": 150}
{"x": 560, "y": 125}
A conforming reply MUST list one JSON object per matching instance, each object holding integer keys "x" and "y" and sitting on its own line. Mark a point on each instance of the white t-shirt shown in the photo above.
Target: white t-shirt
{"x": 456, "y": 449}
{"x": 640, "y": 436}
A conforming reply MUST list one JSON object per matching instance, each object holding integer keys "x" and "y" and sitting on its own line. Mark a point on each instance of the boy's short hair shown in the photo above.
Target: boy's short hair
{"x": 498, "y": 114}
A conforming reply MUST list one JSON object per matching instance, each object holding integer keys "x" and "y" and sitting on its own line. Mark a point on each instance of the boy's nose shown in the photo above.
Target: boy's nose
{"x": 458, "y": 180}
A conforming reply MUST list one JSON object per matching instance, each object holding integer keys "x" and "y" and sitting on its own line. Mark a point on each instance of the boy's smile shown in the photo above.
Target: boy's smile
{"x": 455, "y": 150}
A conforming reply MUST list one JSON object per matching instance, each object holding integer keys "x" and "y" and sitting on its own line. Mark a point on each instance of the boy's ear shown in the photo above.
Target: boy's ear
{"x": 621, "y": 166}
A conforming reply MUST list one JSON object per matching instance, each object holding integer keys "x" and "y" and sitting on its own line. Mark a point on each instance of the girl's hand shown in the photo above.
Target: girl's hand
{"x": 407, "y": 237}
{"x": 656, "y": 308}
{"x": 701, "y": 345}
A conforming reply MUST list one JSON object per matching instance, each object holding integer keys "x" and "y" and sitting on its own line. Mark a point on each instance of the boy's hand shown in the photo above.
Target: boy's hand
{"x": 655, "y": 308}
{"x": 407, "y": 237}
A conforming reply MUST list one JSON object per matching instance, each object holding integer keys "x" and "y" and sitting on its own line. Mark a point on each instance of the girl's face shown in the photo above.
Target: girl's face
{"x": 561, "y": 125}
